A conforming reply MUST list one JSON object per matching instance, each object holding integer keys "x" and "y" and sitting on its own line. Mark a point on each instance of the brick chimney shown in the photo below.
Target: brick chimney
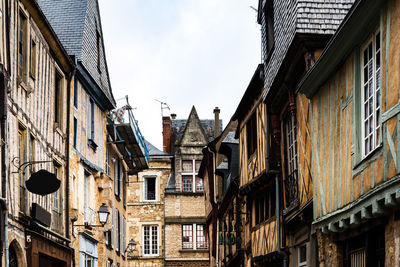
{"x": 216, "y": 122}
{"x": 166, "y": 124}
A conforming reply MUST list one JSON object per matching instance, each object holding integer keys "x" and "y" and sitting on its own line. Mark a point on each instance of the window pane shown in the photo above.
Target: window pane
{"x": 154, "y": 243}
{"x": 187, "y": 183}
{"x": 146, "y": 240}
{"x": 198, "y": 163}
{"x": 201, "y": 236}
{"x": 199, "y": 184}
{"x": 187, "y": 166}
{"x": 303, "y": 254}
{"x": 150, "y": 188}
{"x": 187, "y": 236}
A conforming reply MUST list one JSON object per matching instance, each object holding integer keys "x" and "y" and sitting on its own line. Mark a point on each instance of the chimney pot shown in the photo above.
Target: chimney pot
{"x": 173, "y": 116}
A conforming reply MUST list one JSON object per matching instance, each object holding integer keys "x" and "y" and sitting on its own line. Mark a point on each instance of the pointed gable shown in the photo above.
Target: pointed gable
{"x": 78, "y": 25}
{"x": 194, "y": 134}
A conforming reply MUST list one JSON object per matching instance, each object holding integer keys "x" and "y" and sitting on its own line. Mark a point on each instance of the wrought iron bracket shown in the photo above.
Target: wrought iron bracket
{"x": 24, "y": 165}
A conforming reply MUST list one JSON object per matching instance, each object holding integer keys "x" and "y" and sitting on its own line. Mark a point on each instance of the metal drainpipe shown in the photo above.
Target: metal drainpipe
{"x": 278, "y": 223}
{"x": 67, "y": 144}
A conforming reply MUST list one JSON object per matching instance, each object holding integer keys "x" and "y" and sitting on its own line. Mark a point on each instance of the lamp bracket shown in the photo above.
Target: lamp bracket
{"x": 24, "y": 165}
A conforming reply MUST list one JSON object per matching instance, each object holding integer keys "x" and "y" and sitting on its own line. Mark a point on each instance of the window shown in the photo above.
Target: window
{"x": 32, "y": 153}
{"x": 194, "y": 240}
{"x": 91, "y": 119}
{"x": 57, "y": 200}
{"x": 33, "y": 58}
{"x": 190, "y": 181}
{"x": 89, "y": 213}
{"x": 371, "y": 94}
{"x": 289, "y": 125}
{"x": 264, "y": 206}
{"x": 58, "y": 99}
{"x": 357, "y": 258}
{"x": 269, "y": 27}
{"x": 87, "y": 252}
{"x": 150, "y": 188}
{"x": 187, "y": 236}
{"x": 98, "y": 50}
{"x": 76, "y": 93}
{"x": 22, "y": 158}
{"x": 108, "y": 160}
{"x": 302, "y": 255}
{"x": 22, "y": 47}
{"x": 251, "y": 132}
{"x": 150, "y": 240}
{"x": 201, "y": 241}
{"x": 117, "y": 177}
{"x": 75, "y": 132}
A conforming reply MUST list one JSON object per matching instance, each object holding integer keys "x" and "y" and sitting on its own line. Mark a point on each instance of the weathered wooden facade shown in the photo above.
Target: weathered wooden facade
{"x": 40, "y": 79}
{"x": 355, "y": 138}
{"x": 105, "y": 142}
{"x": 220, "y": 171}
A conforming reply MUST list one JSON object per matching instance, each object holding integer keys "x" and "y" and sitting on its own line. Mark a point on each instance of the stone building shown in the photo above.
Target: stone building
{"x": 37, "y": 232}
{"x": 185, "y": 218}
{"x": 146, "y": 209}
{"x": 353, "y": 91}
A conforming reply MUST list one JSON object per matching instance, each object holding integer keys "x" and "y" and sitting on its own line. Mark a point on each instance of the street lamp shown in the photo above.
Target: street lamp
{"x": 103, "y": 214}
{"x": 131, "y": 246}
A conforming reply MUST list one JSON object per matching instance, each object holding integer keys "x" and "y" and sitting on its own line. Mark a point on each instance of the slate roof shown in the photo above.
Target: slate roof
{"x": 154, "y": 151}
{"x": 178, "y": 127}
{"x": 76, "y": 23}
{"x": 171, "y": 183}
{"x": 230, "y": 138}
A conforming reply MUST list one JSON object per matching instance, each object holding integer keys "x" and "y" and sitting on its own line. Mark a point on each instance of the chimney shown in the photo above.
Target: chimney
{"x": 166, "y": 124}
{"x": 216, "y": 122}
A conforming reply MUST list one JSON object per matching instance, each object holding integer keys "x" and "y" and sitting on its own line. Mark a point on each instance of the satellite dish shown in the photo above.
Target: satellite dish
{"x": 42, "y": 183}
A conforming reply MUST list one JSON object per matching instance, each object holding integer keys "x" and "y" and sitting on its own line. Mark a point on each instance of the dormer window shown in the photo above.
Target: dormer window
{"x": 98, "y": 50}
{"x": 268, "y": 12}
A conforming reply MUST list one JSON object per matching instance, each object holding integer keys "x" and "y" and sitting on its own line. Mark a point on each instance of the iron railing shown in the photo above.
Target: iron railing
{"x": 292, "y": 190}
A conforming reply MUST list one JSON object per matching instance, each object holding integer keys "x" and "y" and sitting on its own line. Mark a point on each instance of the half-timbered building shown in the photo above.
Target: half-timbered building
{"x": 41, "y": 74}
{"x": 105, "y": 141}
{"x": 353, "y": 98}
{"x": 220, "y": 172}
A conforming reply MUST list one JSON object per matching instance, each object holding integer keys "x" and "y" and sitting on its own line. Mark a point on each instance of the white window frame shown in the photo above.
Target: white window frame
{"x": 192, "y": 173}
{"x": 376, "y": 134}
{"x": 151, "y": 240}
{"x": 145, "y": 188}
{"x": 301, "y": 263}
{"x": 194, "y": 236}
{"x": 290, "y": 127}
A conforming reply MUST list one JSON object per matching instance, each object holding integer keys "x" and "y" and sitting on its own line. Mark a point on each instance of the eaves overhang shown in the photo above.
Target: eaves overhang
{"x": 377, "y": 202}
{"x": 57, "y": 49}
{"x": 358, "y": 23}
{"x": 93, "y": 89}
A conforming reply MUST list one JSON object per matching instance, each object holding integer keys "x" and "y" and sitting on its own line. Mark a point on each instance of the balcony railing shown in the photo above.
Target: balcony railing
{"x": 291, "y": 190}
{"x": 126, "y": 134}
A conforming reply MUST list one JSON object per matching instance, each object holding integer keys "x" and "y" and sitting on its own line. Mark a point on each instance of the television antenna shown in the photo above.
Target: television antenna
{"x": 163, "y": 105}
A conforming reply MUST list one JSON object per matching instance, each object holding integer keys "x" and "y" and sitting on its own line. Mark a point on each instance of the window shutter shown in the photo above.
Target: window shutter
{"x": 120, "y": 234}
{"x": 116, "y": 230}
{"x": 112, "y": 228}
{"x": 115, "y": 177}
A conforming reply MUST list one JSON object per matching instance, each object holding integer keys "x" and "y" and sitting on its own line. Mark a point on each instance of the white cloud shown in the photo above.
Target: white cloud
{"x": 185, "y": 53}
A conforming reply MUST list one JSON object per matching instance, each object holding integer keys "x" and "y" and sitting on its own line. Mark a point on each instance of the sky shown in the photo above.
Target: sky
{"x": 181, "y": 52}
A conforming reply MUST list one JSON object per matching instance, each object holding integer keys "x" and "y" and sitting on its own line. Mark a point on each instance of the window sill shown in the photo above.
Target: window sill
{"x": 190, "y": 250}
{"x": 186, "y": 193}
{"x": 368, "y": 160}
